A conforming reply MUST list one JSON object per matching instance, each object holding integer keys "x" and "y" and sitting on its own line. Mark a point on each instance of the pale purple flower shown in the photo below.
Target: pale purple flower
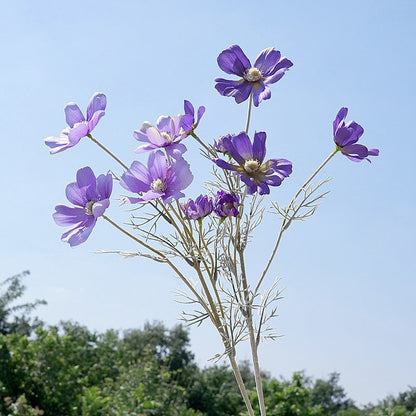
{"x": 79, "y": 126}
{"x": 158, "y": 180}
{"x": 268, "y": 68}
{"x": 201, "y": 207}
{"x": 189, "y": 124}
{"x": 167, "y": 134}
{"x": 91, "y": 195}
{"x": 346, "y": 137}
{"x": 226, "y": 205}
{"x": 258, "y": 176}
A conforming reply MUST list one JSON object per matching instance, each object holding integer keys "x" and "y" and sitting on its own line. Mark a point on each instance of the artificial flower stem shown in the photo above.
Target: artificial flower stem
{"x": 250, "y": 102}
{"x": 253, "y": 344}
{"x": 285, "y": 223}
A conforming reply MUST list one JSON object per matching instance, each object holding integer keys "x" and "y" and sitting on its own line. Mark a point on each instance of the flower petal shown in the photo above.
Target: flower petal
{"x": 233, "y": 61}
{"x": 104, "y": 186}
{"x": 80, "y": 233}
{"x": 259, "y": 146}
{"x": 99, "y": 207}
{"x": 267, "y": 60}
{"x": 65, "y": 215}
{"x": 98, "y": 102}
{"x": 73, "y": 114}
{"x": 260, "y": 92}
{"x": 75, "y": 195}
{"x": 242, "y": 148}
{"x": 340, "y": 118}
{"x": 76, "y": 133}
{"x": 136, "y": 179}
{"x": 58, "y": 144}
{"x": 94, "y": 120}
{"x": 240, "y": 90}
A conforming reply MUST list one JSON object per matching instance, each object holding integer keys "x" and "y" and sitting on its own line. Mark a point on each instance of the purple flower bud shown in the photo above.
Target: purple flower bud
{"x": 226, "y": 205}
{"x": 200, "y": 208}
{"x": 219, "y": 145}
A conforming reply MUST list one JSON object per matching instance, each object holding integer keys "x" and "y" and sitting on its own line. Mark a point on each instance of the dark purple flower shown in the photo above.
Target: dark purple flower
{"x": 166, "y": 135}
{"x": 201, "y": 207}
{"x": 268, "y": 68}
{"x": 91, "y": 195}
{"x": 79, "y": 126}
{"x": 158, "y": 180}
{"x": 188, "y": 120}
{"x": 346, "y": 137}
{"x": 226, "y": 205}
{"x": 258, "y": 176}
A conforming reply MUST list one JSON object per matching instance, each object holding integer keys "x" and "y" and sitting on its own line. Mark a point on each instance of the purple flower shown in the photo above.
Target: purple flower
{"x": 158, "y": 179}
{"x": 346, "y": 137}
{"x": 168, "y": 135}
{"x": 188, "y": 120}
{"x": 226, "y": 205}
{"x": 218, "y": 144}
{"x": 201, "y": 207}
{"x": 268, "y": 68}
{"x": 91, "y": 195}
{"x": 254, "y": 173}
{"x": 79, "y": 127}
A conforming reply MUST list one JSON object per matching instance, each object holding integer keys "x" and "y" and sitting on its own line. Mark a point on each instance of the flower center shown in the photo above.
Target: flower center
{"x": 88, "y": 207}
{"x": 251, "y": 165}
{"x": 252, "y": 75}
{"x": 158, "y": 185}
{"x": 166, "y": 137}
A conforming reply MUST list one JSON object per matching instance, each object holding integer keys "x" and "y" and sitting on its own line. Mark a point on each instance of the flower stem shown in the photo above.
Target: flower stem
{"x": 286, "y": 222}
{"x": 250, "y": 101}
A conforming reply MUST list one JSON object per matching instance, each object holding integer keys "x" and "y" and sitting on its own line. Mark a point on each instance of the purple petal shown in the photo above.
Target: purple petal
{"x": 98, "y": 102}
{"x": 275, "y": 77}
{"x": 240, "y": 90}
{"x": 99, "y": 207}
{"x": 80, "y": 233}
{"x": 104, "y": 186}
{"x": 146, "y": 148}
{"x": 94, "y": 120}
{"x": 75, "y": 134}
{"x": 267, "y": 60}
{"x": 260, "y": 92}
{"x": 242, "y": 149}
{"x": 259, "y": 146}
{"x": 65, "y": 216}
{"x": 201, "y": 111}
{"x": 136, "y": 179}
{"x": 233, "y": 61}
{"x": 141, "y": 135}
{"x": 73, "y": 114}
{"x": 187, "y": 122}
{"x": 75, "y": 195}
{"x": 189, "y": 108}
{"x": 154, "y": 137}
{"x": 223, "y": 164}
{"x": 58, "y": 144}
{"x": 355, "y": 150}
{"x": 181, "y": 176}
{"x": 282, "y": 66}
{"x": 340, "y": 118}
{"x": 373, "y": 152}
{"x": 344, "y": 136}
{"x": 87, "y": 182}
{"x": 157, "y": 165}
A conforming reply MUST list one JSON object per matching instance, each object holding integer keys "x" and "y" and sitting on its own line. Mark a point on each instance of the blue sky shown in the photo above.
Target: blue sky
{"x": 348, "y": 272}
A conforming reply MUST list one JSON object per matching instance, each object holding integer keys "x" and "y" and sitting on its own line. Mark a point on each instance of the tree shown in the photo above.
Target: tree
{"x": 12, "y": 289}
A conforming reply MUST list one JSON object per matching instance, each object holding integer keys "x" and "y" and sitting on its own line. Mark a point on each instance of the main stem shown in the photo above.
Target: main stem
{"x": 250, "y": 101}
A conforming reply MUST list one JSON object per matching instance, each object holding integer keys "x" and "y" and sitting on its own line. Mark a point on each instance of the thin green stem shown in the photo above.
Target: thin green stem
{"x": 286, "y": 222}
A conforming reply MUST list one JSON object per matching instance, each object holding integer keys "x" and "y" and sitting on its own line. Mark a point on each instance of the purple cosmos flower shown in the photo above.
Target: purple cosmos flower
{"x": 91, "y": 195}
{"x": 79, "y": 127}
{"x": 158, "y": 179}
{"x": 168, "y": 134}
{"x": 226, "y": 205}
{"x": 201, "y": 207}
{"x": 254, "y": 173}
{"x": 268, "y": 68}
{"x": 188, "y": 120}
{"x": 346, "y": 137}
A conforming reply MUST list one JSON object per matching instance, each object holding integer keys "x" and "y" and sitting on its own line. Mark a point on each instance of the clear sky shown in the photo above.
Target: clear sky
{"x": 348, "y": 272}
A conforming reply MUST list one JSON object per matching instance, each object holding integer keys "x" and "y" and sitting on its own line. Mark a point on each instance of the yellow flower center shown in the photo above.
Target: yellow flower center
{"x": 252, "y": 75}
{"x": 251, "y": 165}
{"x": 88, "y": 207}
{"x": 158, "y": 185}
